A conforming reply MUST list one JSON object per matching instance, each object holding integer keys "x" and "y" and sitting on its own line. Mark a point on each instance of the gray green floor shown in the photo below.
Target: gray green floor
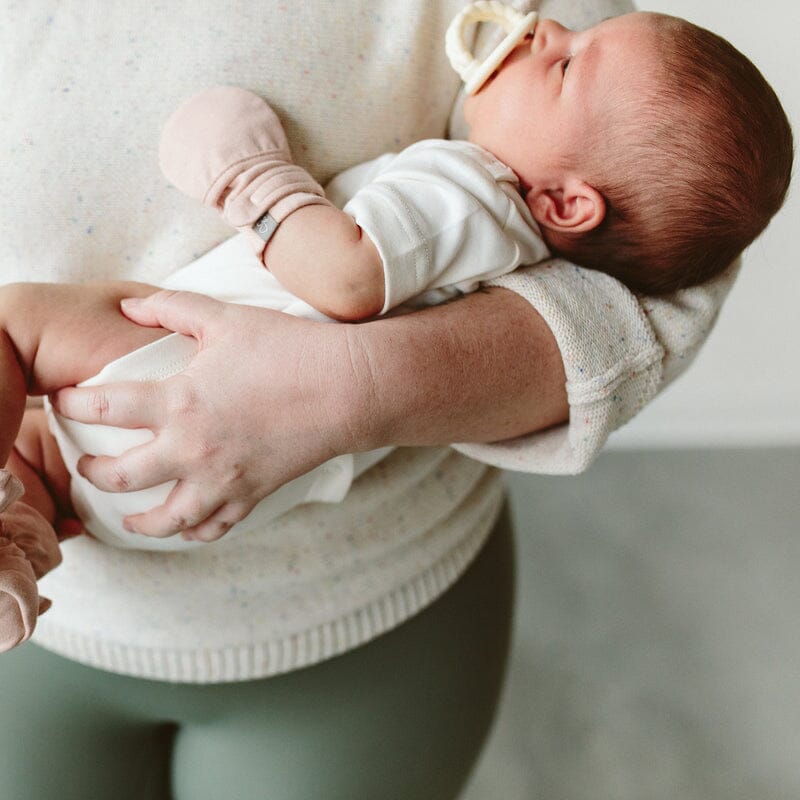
{"x": 657, "y": 652}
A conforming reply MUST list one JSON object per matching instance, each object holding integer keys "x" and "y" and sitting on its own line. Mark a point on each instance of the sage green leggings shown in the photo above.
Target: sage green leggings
{"x": 401, "y": 718}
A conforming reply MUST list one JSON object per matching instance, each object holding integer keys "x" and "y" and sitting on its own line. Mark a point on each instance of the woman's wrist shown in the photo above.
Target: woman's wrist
{"x": 483, "y": 368}
{"x": 350, "y": 417}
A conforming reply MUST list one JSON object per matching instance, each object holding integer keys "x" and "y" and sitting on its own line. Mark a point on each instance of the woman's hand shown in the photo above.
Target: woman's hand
{"x": 266, "y": 399}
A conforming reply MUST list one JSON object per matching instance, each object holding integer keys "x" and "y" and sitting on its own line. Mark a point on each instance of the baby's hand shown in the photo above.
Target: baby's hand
{"x": 28, "y": 550}
{"x": 227, "y": 148}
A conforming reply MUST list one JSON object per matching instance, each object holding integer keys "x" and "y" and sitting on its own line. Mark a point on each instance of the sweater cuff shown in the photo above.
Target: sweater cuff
{"x": 612, "y": 360}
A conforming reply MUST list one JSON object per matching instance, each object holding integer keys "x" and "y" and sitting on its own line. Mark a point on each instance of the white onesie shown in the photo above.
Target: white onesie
{"x": 444, "y": 216}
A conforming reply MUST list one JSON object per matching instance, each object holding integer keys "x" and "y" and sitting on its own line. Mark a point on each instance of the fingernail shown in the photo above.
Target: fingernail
{"x": 127, "y": 525}
{"x": 130, "y": 302}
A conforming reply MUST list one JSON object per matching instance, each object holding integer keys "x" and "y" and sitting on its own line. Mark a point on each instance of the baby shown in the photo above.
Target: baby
{"x": 643, "y": 146}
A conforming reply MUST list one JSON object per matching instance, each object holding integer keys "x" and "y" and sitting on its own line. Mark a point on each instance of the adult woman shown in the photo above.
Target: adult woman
{"x": 322, "y": 579}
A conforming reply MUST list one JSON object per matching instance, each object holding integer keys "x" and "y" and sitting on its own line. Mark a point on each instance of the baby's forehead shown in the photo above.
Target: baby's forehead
{"x": 633, "y": 35}
{"x": 627, "y": 52}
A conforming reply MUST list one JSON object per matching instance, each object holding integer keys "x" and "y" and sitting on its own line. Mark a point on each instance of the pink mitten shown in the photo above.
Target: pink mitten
{"x": 226, "y": 147}
{"x": 28, "y": 549}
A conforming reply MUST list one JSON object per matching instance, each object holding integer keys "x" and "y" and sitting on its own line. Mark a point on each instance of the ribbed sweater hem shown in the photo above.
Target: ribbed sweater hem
{"x": 251, "y": 661}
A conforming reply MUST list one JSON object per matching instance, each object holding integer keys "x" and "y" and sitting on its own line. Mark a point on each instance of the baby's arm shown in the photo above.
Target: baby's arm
{"x": 226, "y": 148}
{"x": 322, "y": 256}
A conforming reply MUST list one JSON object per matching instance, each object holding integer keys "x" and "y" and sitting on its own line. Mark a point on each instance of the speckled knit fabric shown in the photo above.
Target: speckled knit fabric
{"x": 85, "y": 90}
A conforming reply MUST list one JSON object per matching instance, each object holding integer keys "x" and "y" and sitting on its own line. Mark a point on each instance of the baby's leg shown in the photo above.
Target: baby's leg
{"x": 56, "y": 335}
{"x": 50, "y": 336}
{"x": 65, "y": 333}
{"x": 36, "y": 461}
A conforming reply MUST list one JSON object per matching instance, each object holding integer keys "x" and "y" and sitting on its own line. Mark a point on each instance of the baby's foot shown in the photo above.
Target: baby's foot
{"x": 28, "y": 549}
{"x": 19, "y": 596}
{"x": 11, "y": 489}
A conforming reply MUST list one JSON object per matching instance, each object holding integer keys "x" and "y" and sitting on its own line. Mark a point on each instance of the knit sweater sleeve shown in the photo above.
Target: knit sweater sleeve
{"x": 619, "y": 351}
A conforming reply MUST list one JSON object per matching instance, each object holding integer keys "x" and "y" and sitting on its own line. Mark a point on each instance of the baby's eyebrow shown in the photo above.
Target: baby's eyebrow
{"x": 588, "y": 56}
{"x": 600, "y": 21}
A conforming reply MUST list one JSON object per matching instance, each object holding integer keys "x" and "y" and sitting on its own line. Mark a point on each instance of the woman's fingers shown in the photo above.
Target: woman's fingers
{"x": 218, "y": 524}
{"x": 182, "y": 509}
{"x": 180, "y": 312}
{"x": 122, "y": 405}
{"x": 204, "y": 516}
{"x": 141, "y": 467}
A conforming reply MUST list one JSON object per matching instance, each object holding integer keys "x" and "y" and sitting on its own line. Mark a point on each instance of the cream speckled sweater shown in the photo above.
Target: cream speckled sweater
{"x": 85, "y": 90}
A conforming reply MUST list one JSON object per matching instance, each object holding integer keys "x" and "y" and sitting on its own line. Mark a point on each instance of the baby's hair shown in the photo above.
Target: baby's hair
{"x": 703, "y": 167}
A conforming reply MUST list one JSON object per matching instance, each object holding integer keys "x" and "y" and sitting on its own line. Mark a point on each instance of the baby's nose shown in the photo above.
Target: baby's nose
{"x": 547, "y": 33}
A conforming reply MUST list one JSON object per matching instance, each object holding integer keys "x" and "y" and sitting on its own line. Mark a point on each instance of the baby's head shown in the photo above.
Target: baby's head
{"x": 647, "y": 147}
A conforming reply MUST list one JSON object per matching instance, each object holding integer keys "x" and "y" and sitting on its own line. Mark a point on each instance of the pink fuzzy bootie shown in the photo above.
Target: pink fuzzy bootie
{"x": 28, "y": 549}
{"x": 226, "y": 148}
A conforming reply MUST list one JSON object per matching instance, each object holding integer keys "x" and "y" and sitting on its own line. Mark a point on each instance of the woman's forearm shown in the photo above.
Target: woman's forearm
{"x": 483, "y": 368}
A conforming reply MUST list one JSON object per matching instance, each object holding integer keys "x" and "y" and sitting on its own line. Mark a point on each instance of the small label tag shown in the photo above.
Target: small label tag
{"x": 265, "y": 227}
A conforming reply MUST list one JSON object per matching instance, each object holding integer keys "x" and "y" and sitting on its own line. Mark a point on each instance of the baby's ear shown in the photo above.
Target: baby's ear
{"x": 575, "y": 207}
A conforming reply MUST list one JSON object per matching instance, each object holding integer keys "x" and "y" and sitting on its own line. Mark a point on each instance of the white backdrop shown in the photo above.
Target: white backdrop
{"x": 744, "y": 387}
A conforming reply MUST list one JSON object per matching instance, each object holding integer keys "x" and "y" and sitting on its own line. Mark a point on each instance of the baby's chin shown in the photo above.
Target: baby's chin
{"x": 473, "y": 101}
{"x": 475, "y": 132}
{"x": 469, "y": 110}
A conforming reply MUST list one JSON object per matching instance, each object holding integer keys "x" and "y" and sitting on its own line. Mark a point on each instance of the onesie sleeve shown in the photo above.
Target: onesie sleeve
{"x": 619, "y": 350}
{"x": 444, "y": 214}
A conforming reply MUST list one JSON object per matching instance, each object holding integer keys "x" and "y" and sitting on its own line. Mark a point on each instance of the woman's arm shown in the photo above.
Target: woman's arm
{"x": 269, "y": 397}
{"x": 480, "y": 369}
